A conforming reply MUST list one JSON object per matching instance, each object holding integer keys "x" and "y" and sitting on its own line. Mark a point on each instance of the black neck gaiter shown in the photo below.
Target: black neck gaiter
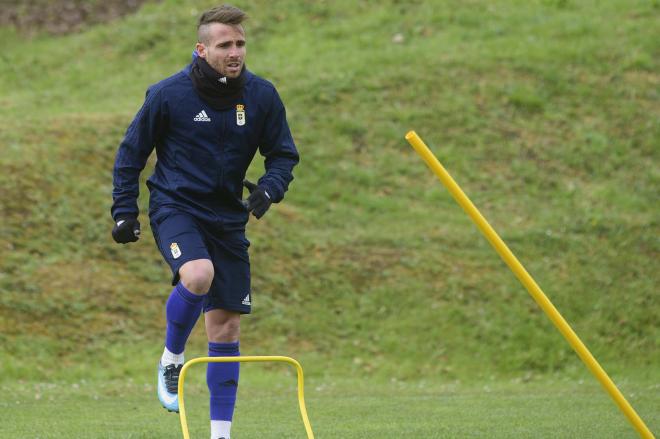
{"x": 220, "y": 92}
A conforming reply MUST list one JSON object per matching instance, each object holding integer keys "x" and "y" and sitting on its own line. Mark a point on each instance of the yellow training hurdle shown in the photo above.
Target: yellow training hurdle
{"x": 246, "y": 359}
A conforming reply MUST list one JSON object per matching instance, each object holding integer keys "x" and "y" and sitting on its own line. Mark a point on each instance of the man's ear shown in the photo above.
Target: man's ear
{"x": 201, "y": 50}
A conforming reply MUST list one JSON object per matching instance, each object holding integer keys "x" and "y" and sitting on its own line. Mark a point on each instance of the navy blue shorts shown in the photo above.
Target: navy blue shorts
{"x": 182, "y": 238}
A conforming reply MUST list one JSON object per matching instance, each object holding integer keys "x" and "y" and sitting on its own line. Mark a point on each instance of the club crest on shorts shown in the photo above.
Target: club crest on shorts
{"x": 174, "y": 248}
{"x": 240, "y": 115}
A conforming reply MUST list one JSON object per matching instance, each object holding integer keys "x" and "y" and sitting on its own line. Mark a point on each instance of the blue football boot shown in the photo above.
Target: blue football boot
{"x": 168, "y": 386}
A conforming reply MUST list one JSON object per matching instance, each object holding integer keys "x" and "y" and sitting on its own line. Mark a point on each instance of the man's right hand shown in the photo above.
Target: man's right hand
{"x": 127, "y": 229}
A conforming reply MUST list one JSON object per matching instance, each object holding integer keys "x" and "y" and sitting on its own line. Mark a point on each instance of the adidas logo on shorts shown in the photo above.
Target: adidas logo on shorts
{"x": 202, "y": 117}
{"x": 247, "y": 301}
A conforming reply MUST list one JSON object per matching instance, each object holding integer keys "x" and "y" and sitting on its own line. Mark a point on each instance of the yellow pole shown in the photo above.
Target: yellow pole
{"x": 529, "y": 283}
{"x": 245, "y": 359}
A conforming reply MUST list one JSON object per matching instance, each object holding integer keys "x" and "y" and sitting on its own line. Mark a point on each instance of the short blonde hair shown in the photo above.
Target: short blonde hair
{"x": 225, "y": 14}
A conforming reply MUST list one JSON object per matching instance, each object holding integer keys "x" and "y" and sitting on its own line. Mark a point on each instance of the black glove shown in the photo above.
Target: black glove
{"x": 127, "y": 229}
{"x": 259, "y": 200}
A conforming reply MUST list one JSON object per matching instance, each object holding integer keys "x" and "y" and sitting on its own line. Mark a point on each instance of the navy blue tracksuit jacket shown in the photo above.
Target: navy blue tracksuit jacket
{"x": 203, "y": 154}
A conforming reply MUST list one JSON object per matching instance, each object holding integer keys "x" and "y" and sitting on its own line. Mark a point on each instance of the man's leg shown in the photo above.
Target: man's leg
{"x": 182, "y": 311}
{"x": 223, "y": 330}
{"x": 185, "y": 303}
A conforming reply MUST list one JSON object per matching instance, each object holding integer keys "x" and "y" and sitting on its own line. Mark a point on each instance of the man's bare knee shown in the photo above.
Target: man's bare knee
{"x": 222, "y": 326}
{"x": 197, "y": 275}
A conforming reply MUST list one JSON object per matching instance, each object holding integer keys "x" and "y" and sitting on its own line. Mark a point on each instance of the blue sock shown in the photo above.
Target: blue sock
{"x": 222, "y": 379}
{"x": 182, "y": 311}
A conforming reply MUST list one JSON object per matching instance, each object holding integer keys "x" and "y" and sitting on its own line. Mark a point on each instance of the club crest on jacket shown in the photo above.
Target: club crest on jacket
{"x": 240, "y": 115}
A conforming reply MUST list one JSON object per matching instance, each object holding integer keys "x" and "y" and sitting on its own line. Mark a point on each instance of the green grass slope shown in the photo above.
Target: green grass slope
{"x": 546, "y": 112}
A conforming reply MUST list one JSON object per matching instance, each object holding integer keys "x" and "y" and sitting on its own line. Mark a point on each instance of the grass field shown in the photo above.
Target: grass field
{"x": 546, "y": 112}
{"x": 346, "y": 408}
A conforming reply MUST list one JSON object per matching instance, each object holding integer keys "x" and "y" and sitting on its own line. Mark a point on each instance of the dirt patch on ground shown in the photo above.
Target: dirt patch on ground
{"x": 60, "y": 17}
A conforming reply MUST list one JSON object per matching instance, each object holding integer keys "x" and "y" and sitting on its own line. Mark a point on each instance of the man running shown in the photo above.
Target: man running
{"x": 206, "y": 124}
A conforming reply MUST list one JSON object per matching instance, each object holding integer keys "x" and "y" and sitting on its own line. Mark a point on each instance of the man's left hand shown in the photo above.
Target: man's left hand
{"x": 259, "y": 200}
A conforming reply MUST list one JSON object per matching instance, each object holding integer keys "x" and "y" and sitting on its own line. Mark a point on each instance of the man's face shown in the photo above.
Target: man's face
{"x": 223, "y": 47}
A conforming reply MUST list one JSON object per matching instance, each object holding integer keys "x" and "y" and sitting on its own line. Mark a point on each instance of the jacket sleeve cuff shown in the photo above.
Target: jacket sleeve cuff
{"x": 119, "y": 214}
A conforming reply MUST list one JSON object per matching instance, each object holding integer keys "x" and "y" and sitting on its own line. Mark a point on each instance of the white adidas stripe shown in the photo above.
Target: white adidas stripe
{"x": 202, "y": 117}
